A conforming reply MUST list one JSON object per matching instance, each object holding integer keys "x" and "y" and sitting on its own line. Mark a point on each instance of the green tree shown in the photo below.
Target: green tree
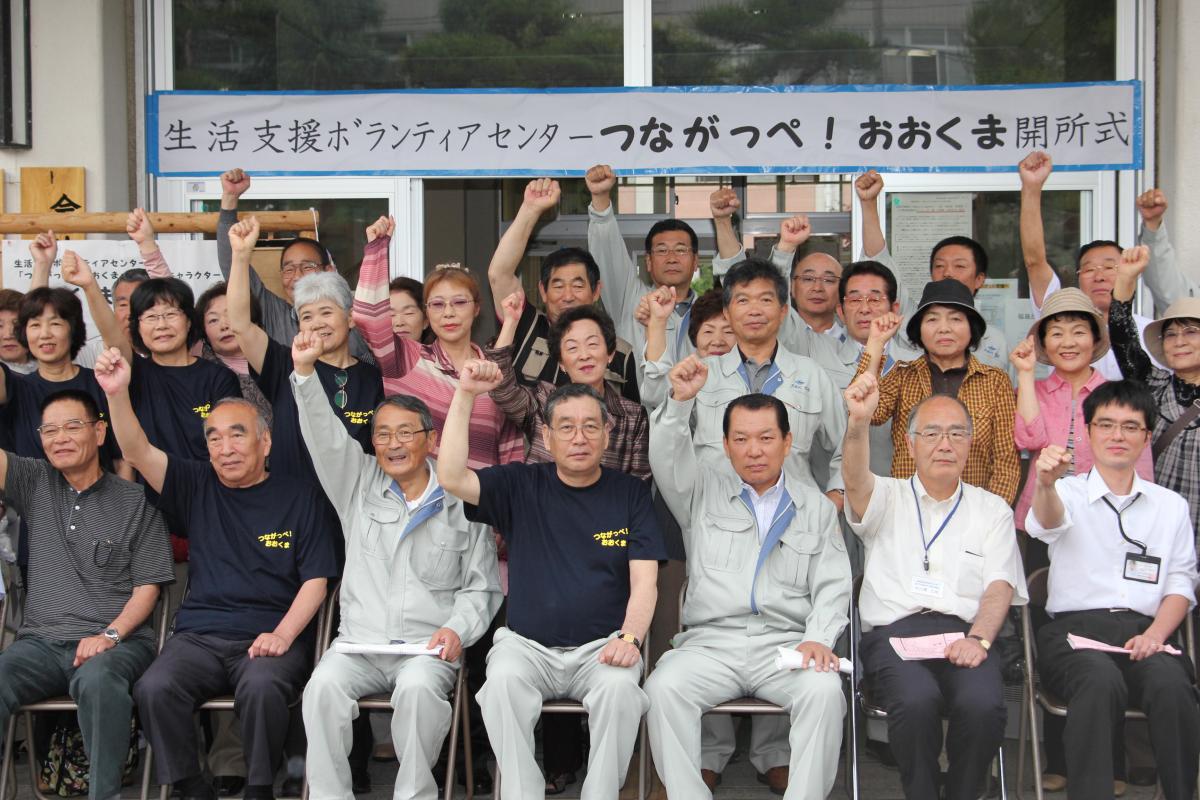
{"x": 1032, "y": 41}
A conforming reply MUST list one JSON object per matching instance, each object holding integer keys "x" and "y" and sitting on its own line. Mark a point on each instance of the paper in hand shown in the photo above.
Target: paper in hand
{"x": 789, "y": 658}
{"x": 1083, "y": 643}
{"x": 394, "y": 649}
{"x": 921, "y": 648}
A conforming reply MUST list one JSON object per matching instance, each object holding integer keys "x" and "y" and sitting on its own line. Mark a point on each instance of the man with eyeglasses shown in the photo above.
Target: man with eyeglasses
{"x": 569, "y": 278}
{"x": 941, "y": 560}
{"x": 98, "y": 552}
{"x": 1123, "y": 573}
{"x": 302, "y": 257}
{"x": 416, "y": 571}
{"x": 583, "y": 553}
{"x": 672, "y": 256}
{"x": 1095, "y": 264}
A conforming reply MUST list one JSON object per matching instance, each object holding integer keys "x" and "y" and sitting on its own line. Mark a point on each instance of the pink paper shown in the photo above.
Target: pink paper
{"x": 1083, "y": 643}
{"x": 919, "y": 648}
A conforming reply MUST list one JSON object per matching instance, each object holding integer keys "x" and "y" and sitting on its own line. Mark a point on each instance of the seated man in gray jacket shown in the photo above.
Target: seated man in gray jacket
{"x": 416, "y": 571}
{"x": 767, "y": 568}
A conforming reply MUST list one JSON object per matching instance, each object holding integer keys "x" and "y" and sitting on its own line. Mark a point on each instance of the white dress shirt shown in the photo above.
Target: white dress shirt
{"x": 1087, "y": 553}
{"x": 765, "y": 505}
{"x": 977, "y": 547}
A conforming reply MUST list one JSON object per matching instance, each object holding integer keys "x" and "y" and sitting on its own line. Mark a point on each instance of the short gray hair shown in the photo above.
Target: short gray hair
{"x": 405, "y": 402}
{"x": 912, "y": 416}
{"x": 569, "y": 392}
{"x": 260, "y": 420}
{"x": 322, "y": 286}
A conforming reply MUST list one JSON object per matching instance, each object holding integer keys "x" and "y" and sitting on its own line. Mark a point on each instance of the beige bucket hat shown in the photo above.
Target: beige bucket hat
{"x": 1186, "y": 308}
{"x": 1075, "y": 301}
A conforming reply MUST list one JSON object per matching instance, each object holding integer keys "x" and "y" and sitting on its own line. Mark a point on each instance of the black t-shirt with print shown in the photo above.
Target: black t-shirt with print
{"x": 568, "y": 548}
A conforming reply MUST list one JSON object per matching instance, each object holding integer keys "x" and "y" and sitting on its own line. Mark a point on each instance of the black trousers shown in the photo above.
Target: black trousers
{"x": 193, "y": 668}
{"x": 916, "y": 695}
{"x": 1098, "y": 687}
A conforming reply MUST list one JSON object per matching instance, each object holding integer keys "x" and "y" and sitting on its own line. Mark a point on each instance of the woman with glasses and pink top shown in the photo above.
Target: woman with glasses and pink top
{"x": 430, "y": 371}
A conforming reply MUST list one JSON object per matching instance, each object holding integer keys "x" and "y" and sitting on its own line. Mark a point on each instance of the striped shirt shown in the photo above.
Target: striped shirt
{"x": 987, "y": 393}
{"x": 87, "y": 550}
{"x": 628, "y": 431}
{"x": 424, "y": 370}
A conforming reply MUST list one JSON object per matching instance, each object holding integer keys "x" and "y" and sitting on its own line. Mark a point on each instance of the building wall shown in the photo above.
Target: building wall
{"x": 80, "y": 110}
{"x": 1179, "y": 125}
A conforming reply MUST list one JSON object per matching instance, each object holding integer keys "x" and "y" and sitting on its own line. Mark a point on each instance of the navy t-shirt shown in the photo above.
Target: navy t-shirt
{"x": 20, "y": 416}
{"x": 364, "y": 391}
{"x": 250, "y": 549}
{"x": 173, "y": 402}
{"x": 568, "y": 548}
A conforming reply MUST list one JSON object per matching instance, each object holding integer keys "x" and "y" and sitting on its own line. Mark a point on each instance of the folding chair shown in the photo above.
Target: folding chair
{"x": 1036, "y": 695}
{"x": 576, "y": 707}
{"x": 226, "y": 703}
{"x": 862, "y": 702}
{"x": 63, "y": 703}
{"x": 460, "y": 716}
{"x": 753, "y": 706}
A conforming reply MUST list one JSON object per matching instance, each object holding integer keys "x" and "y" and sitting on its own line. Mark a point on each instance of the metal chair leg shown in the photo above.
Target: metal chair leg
{"x": 468, "y": 754}
{"x": 452, "y": 750}
{"x": 147, "y": 772}
{"x": 8, "y": 771}
{"x": 644, "y": 747}
{"x": 1000, "y": 772}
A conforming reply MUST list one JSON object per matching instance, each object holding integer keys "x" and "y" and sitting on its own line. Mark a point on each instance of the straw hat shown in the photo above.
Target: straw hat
{"x": 1186, "y": 308}
{"x": 946, "y": 292}
{"x": 1070, "y": 300}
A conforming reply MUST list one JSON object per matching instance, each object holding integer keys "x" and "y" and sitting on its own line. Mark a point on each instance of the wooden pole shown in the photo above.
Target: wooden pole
{"x": 174, "y": 222}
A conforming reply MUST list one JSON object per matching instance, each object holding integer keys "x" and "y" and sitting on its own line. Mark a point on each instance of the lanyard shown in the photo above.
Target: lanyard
{"x": 1121, "y": 525}
{"x": 921, "y": 522}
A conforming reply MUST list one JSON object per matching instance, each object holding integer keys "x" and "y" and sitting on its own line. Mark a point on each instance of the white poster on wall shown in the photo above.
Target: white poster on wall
{"x": 918, "y": 221}
{"x": 193, "y": 261}
{"x": 733, "y": 130}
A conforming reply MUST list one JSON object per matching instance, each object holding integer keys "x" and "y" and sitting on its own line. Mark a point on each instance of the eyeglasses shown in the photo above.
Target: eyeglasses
{"x": 873, "y": 300}
{"x": 169, "y": 317}
{"x": 71, "y": 426}
{"x": 290, "y": 268}
{"x": 1107, "y": 267}
{"x": 662, "y": 250}
{"x": 340, "y": 398}
{"x": 566, "y": 432}
{"x": 813, "y": 280}
{"x": 401, "y": 435}
{"x": 1108, "y": 427}
{"x": 438, "y": 306}
{"x": 934, "y": 435}
{"x": 1188, "y": 333}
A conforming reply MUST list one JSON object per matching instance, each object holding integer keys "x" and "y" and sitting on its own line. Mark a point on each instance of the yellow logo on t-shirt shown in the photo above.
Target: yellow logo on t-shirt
{"x": 203, "y": 410}
{"x": 617, "y": 538}
{"x": 281, "y": 540}
{"x": 358, "y": 417}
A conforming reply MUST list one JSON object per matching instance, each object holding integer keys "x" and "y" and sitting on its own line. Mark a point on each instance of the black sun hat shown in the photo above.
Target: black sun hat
{"x": 946, "y": 292}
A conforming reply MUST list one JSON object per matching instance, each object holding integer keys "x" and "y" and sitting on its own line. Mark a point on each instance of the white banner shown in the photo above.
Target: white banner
{"x": 688, "y": 130}
{"x": 193, "y": 261}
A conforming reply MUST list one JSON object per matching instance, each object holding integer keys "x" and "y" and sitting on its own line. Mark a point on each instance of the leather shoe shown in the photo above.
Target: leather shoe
{"x": 711, "y": 779}
{"x": 776, "y": 779}
{"x": 1119, "y": 788}
{"x": 360, "y": 781}
{"x": 1053, "y": 783}
{"x": 229, "y": 785}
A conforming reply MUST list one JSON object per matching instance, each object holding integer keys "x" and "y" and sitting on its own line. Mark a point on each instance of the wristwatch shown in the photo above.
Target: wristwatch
{"x": 984, "y": 643}
{"x": 629, "y": 637}
{"x": 113, "y": 635}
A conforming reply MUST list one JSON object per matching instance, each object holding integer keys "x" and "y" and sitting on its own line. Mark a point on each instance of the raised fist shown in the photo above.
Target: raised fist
{"x": 688, "y": 377}
{"x": 868, "y": 186}
{"x": 1052, "y": 464}
{"x": 76, "y": 271}
{"x": 862, "y": 397}
{"x": 1023, "y": 357}
{"x": 793, "y": 232}
{"x": 138, "y": 226}
{"x": 1034, "y": 169}
{"x": 600, "y": 179}
{"x": 112, "y": 371}
{"x": 723, "y": 202}
{"x": 235, "y": 182}
{"x": 884, "y": 327}
{"x": 1152, "y": 205}
{"x": 512, "y": 306}
{"x": 1133, "y": 261}
{"x": 243, "y": 236}
{"x": 542, "y": 194}
{"x": 384, "y": 226}
{"x": 43, "y": 249}
{"x": 479, "y": 376}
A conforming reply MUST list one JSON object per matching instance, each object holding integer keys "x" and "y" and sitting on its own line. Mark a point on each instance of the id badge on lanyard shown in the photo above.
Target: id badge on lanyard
{"x": 1140, "y": 567}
